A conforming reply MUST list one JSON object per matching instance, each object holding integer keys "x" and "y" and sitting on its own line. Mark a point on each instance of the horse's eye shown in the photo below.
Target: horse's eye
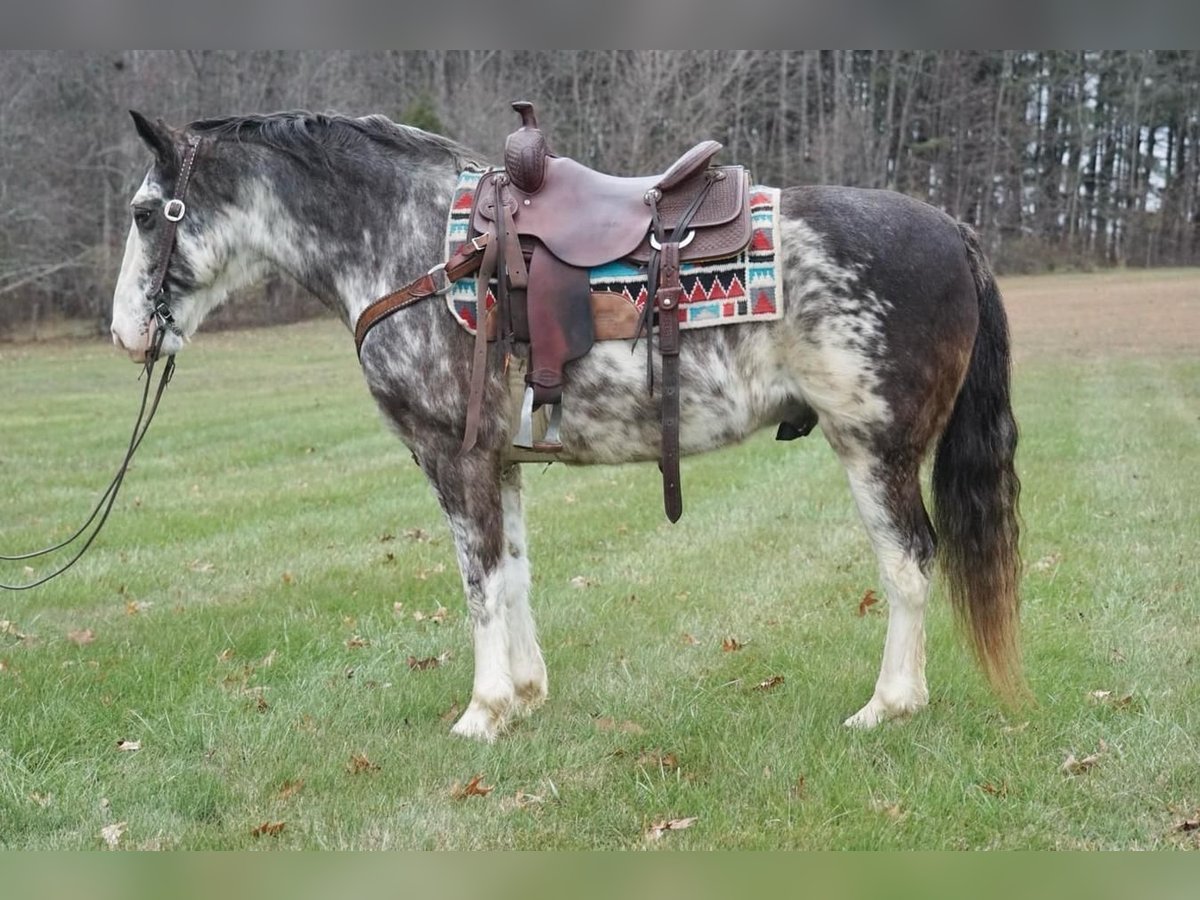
{"x": 142, "y": 217}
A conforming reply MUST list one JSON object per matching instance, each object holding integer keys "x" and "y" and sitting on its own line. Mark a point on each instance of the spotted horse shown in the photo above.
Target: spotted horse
{"x": 883, "y": 324}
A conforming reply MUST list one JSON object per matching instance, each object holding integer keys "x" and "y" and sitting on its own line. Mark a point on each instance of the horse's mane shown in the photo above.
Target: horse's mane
{"x": 314, "y": 137}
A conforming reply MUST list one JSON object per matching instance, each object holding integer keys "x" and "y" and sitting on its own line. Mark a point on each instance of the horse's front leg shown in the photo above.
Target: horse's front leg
{"x": 468, "y": 489}
{"x": 525, "y": 656}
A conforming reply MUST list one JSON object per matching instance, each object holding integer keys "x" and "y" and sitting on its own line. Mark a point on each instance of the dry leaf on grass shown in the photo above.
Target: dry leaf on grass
{"x": 268, "y": 828}
{"x": 1000, "y": 790}
{"x": 1121, "y": 701}
{"x": 287, "y": 578}
{"x": 580, "y": 582}
{"x": 608, "y": 723}
{"x": 730, "y": 644}
{"x": 452, "y": 713}
{"x": 770, "y": 683}
{"x": 290, "y": 788}
{"x": 1186, "y": 825}
{"x": 1073, "y": 766}
{"x": 429, "y": 662}
{"x": 1015, "y": 729}
{"x": 82, "y": 637}
{"x": 798, "y": 788}
{"x": 868, "y": 600}
{"x": 225, "y": 655}
{"x": 416, "y": 535}
{"x": 661, "y": 827}
{"x": 10, "y": 629}
{"x": 689, "y": 640}
{"x": 112, "y": 834}
{"x": 200, "y": 565}
{"x": 269, "y": 660}
{"x": 359, "y": 763}
{"x": 129, "y": 746}
{"x": 656, "y": 759}
{"x": 473, "y": 788}
{"x": 357, "y": 642}
{"x": 892, "y": 810}
{"x": 522, "y": 800}
{"x": 1046, "y": 563}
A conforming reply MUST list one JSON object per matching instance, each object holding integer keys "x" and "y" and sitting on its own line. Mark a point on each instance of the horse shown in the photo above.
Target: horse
{"x": 893, "y": 336}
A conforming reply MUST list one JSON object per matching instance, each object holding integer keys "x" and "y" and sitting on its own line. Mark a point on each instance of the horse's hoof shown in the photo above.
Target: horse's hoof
{"x": 531, "y": 696}
{"x": 889, "y": 705}
{"x": 479, "y": 723}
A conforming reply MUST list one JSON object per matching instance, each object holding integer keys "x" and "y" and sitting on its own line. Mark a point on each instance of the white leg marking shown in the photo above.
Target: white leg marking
{"x": 525, "y": 656}
{"x": 900, "y": 689}
{"x": 492, "y": 693}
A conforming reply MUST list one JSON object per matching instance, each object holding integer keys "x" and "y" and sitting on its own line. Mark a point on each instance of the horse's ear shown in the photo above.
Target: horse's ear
{"x": 157, "y": 136}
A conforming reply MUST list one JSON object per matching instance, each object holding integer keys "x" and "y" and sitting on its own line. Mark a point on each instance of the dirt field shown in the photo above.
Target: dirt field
{"x": 1156, "y": 311}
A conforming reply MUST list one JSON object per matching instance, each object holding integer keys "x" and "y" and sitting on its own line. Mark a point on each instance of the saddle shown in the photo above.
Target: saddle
{"x": 538, "y": 225}
{"x": 550, "y": 220}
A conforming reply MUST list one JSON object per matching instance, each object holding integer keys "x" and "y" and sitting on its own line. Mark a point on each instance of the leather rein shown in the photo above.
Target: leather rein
{"x": 159, "y": 295}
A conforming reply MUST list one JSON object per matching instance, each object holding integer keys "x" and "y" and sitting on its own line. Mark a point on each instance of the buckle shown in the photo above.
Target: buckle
{"x": 174, "y": 210}
{"x": 440, "y": 269}
{"x": 687, "y": 240}
{"x": 475, "y": 241}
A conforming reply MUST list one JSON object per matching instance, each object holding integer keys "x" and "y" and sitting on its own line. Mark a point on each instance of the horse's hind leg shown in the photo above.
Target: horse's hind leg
{"x": 468, "y": 489}
{"x": 525, "y": 656}
{"x": 887, "y": 492}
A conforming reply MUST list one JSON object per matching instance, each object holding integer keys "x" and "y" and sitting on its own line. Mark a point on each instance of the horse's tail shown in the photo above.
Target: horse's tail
{"x": 975, "y": 492}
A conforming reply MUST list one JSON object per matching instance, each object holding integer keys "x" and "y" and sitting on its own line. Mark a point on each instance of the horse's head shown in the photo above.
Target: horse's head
{"x": 208, "y": 257}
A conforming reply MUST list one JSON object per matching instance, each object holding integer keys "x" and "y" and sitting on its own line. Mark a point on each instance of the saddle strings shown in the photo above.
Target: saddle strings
{"x": 105, "y": 504}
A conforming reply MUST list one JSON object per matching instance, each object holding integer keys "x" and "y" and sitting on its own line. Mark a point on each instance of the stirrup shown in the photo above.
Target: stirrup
{"x": 552, "y": 442}
{"x": 524, "y": 436}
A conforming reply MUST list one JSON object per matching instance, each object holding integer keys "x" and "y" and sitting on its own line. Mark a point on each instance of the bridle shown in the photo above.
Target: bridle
{"x": 159, "y": 296}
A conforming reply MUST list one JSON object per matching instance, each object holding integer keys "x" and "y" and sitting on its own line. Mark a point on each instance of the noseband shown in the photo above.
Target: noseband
{"x": 160, "y": 298}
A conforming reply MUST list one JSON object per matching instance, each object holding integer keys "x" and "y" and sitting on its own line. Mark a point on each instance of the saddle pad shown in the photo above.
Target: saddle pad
{"x": 747, "y": 287}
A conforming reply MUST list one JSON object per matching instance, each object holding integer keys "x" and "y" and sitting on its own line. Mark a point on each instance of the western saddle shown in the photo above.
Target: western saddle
{"x": 538, "y": 225}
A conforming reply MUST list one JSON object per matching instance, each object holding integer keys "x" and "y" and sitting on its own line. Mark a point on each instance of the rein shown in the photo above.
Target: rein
{"x": 159, "y": 295}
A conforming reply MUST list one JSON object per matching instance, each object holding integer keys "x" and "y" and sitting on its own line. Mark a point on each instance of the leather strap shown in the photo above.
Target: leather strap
{"x": 487, "y": 268}
{"x": 167, "y": 242}
{"x": 466, "y": 259}
{"x": 668, "y": 346}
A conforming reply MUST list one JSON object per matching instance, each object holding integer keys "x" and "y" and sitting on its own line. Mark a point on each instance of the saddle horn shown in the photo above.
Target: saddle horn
{"x": 525, "y": 151}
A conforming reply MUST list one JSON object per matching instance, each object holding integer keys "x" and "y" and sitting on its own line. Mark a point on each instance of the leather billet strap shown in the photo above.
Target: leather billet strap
{"x": 465, "y": 261}
{"x": 669, "y": 290}
{"x": 173, "y": 212}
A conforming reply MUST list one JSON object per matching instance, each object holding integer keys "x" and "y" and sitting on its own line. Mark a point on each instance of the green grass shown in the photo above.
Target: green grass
{"x": 248, "y": 551}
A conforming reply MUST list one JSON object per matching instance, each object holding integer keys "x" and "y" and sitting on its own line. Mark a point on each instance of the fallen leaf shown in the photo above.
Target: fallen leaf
{"x": 798, "y": 788}
{"x": 357, "y": 642}
{"x": 773, "y": 682}
{"x": 10, "y": 629}
{"x": 439, "y": 615}
{"x": 42, "y": 800}
{"x": 1015, "y": 729}
{"x": 452, "y": 713}
{"x": 429, "y": 662}
{"x": 359, "y": 763}
{"x": 417, "y": 535}
{"x": 891, "y": 810}
{"x": 996, "y": 791}
{"x": 129, "y": 746}
{"x": 81, "y": 638}
{"x": 269, "y": 660}
{"x": 522, "y": 800}
{"x": 608, "y": 723}
{"x": 868, "y": 600}
{"x": 1073, "y": 766}
{"x": 268, "y": 828}
{"x": 133, "y": 607}
{"x": 689, "y": 640}
{"x": 473, "y": 788}
{"x": 1107, "y": 698}
{"x": 579, "y": 582}
{"x": 198, "y": 565}
{"x": 287, "y": 578}
{"x": 225, "y": 655}
{"x": 658, "y": 829}
{"x": 1046, "y": 563}
{"x": 1187, "y": 825}
{"x": 397, "y": 607}
{"x": 290, "y": 788}
{"x": 1100, "y": 695}
{"x": 112, "y": 834}
{"x": 656, "y": 759}
{"x": 261, "y": 704}
{"x": 730, "y": 644}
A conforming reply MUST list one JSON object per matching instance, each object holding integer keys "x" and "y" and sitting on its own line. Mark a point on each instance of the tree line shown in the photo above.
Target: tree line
{"x": 1061, "y": 159}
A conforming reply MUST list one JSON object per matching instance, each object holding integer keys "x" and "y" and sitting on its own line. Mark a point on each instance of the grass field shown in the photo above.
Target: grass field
{"x": 276, "y": 559}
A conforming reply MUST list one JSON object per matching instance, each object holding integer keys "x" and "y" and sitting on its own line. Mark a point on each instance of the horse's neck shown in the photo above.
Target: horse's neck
{"x": 367, "y": 243}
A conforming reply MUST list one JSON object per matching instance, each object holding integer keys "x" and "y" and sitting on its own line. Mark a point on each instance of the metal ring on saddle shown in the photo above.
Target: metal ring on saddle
{"x": 440, "y": 269}
{"x": 687, "y": 240}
